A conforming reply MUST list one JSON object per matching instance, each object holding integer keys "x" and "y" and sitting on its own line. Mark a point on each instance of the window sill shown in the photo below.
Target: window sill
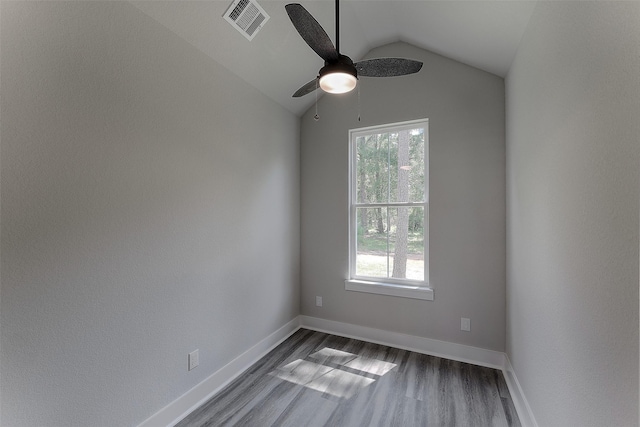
{"x": 392, "y": 289}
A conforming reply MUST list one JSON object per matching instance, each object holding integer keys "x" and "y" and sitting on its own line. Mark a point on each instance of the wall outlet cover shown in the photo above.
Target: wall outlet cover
{"x": 193, "y": 359}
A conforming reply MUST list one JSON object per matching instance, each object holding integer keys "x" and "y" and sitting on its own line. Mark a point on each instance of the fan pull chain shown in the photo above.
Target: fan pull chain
{"x": 316, "y": 117}
{"x": 358, "y": 102}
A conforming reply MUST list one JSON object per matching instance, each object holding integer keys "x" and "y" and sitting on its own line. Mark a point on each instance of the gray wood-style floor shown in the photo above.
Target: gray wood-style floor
{"x": 316, "y": 379}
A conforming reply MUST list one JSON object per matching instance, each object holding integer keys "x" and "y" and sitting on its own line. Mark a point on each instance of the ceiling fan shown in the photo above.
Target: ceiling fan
{"x": 340, "y": 73}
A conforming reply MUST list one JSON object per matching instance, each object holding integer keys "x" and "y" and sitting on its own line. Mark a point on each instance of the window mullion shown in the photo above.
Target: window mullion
{"x": 394, "y": 204}
{"x": 388, "y": 230}
{"x": 388, "y": 198}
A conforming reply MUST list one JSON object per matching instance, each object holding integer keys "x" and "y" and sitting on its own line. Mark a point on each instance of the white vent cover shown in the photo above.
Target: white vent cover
{"x": 246, "y": 16}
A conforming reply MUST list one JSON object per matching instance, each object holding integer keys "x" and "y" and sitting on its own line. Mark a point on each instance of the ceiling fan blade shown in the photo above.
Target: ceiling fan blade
{"x": 387, "y": 67}
{"x": 307, "y": 88}
{"x": 312, "y": 32}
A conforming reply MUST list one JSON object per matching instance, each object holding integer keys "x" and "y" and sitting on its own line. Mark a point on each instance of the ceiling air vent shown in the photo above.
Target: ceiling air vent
{"x": 246, "y": 16}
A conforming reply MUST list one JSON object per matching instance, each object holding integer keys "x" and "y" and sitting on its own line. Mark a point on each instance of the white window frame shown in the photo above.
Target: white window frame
{"x": 387, "y": 286}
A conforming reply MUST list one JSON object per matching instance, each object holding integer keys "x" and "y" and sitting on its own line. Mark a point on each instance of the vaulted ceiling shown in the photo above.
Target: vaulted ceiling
{"x": 483, "y": 34}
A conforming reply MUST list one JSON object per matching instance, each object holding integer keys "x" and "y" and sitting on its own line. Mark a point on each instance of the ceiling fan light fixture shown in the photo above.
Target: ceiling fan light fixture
{"x": 338, "y": 82}
{"x": 339, "y": 77}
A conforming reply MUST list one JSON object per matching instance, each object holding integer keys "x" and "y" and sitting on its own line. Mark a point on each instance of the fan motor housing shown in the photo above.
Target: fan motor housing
{"x": 344, "y": 64}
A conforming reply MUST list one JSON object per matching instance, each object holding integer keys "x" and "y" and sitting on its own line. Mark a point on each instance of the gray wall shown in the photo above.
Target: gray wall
{"x": 465, "y": 108}
{"x": 144, "y": 189}
{"x": 573, "y": 103}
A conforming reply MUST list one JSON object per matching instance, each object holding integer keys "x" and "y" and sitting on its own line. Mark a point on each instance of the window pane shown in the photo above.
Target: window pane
{"x": 406, "y": 166}
{"x": 417, "y": 165}
{"x": 371, "y": 246}
{"x": 372, "y": 168}
{"x": 406, "y": 243}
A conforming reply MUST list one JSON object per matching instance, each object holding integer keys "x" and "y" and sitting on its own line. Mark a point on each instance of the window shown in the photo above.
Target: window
{"x": 388, "y": 215}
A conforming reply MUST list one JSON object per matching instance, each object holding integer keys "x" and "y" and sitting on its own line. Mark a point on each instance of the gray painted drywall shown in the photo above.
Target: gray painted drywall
{"x": 573, "y": 103}
{"x": 465, "y": 108}
{"x": 150, "y": 207}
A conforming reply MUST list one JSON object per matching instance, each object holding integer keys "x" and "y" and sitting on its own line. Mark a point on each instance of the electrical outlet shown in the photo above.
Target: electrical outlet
{"x": 465, "y": 324}
{"x": 318, "y": 301}
{"x": 193, "y": 359}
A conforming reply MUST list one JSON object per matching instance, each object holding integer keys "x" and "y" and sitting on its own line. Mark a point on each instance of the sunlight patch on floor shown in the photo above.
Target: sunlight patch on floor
{"x": 335, "y": 372}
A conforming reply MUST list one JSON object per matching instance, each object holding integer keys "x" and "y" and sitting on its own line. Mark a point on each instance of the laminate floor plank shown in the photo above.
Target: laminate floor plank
{"x": 315, "y": 379}
{"x": 503, "y": 390}
{"x": 266, "y": 409}
{"x": 308, "y": 409}
{"x": 510, "y": 412}
{"x": 243, "y": 398}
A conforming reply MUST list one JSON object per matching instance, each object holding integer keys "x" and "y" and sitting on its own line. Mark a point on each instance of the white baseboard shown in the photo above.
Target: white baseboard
{"x": 448, "y": 350}
{"x": 185, "y": 404}
{"x": 517, "y": 396}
